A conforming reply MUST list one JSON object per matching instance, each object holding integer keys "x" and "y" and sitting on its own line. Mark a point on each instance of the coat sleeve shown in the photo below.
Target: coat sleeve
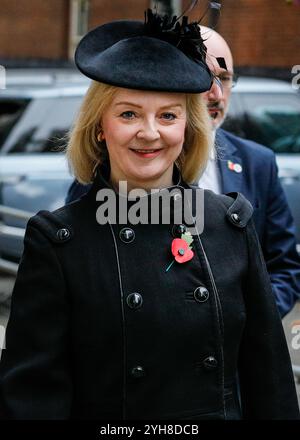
{"x": 35, "y": 381}
{"x": 266, "y": 379}
{"x": 279, "y": 246}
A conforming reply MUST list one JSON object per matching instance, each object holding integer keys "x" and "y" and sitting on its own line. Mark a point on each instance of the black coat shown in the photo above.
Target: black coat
{"x": 80, "y": 345}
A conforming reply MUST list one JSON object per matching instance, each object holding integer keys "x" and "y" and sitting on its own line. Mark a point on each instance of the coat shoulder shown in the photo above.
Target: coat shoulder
{"x": 58, "y": 226}
{"x": 234, "y": 206}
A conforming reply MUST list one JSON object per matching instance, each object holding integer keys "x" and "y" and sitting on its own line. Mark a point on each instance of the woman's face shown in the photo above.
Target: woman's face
{"x": 144, "y": 133}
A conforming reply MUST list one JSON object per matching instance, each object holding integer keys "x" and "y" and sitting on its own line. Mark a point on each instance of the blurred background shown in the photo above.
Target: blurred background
{"x": 43, "y": 91}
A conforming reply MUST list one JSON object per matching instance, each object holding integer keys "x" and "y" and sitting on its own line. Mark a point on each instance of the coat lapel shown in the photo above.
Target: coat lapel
{"x": 230, "y": 164}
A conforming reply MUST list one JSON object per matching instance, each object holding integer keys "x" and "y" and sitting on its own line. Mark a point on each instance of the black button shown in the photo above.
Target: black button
{"x": 138, "y": 372}
{"x": 63, "y": 234}
{"x": 134, "y": 300}
{"x": 127, "y": 235}
{"x": 235, "y": 218}
{"x": 178, "y": 230}
{"x": 201, "y": 294}
{"x": 210, "y": 363}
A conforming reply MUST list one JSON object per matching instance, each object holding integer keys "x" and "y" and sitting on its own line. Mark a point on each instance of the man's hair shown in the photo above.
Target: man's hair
{"x": 84, "y": 151}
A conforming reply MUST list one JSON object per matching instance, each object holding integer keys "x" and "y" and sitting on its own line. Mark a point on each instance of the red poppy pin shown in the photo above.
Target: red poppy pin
{"x": 181, "y": 249}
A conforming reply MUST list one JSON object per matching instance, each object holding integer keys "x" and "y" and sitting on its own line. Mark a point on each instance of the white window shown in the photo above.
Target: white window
{"x": 79, "y": 18}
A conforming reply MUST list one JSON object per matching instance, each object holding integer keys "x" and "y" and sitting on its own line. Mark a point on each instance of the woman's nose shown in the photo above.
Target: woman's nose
{"x": 148, "y": 131}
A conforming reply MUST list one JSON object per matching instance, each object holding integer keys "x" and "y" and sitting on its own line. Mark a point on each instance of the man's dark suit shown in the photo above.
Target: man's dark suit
{"x": 258, "y": 181}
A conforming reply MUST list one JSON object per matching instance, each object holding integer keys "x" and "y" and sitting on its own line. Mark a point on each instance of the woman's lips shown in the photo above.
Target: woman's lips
{"x": 146, "y": 153}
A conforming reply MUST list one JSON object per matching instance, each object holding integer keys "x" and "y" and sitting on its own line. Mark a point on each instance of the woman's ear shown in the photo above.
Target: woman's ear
{"x": 100, "y": 136}
{"x": 100, "y": 132}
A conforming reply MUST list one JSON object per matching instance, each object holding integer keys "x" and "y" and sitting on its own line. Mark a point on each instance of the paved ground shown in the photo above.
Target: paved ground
{"x": 291, "y": 322}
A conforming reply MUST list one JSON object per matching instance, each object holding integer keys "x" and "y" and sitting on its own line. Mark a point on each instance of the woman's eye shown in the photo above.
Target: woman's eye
{"x": 169, "y": 116}
{"x": 128, "y": 115}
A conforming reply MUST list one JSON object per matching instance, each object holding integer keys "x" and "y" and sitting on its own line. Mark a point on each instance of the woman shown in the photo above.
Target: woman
{"x": 119, "y": 319}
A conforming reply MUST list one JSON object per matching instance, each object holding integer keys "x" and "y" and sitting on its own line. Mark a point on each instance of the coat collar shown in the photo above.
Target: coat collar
{"x": 101, "y": 182}
{"x": 230, "y": 164}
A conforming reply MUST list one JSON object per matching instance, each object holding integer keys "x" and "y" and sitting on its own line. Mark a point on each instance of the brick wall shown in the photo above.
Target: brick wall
{"x": 261, "y": 33}
{"x": 102, "y": 11}
{"x": 34, "y": 28}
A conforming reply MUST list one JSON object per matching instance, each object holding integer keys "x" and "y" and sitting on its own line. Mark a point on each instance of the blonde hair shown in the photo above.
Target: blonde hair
{"x": 85, "y": 152}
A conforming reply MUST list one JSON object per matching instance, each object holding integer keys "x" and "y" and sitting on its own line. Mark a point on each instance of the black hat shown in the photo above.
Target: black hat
{"x": 159, "y": 54}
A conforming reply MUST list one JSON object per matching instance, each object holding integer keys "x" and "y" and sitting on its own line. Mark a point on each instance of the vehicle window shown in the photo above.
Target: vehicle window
{"x": 269, "y": 119}
{"x": 43, "y": 126}
{"x": 10, "y": 112}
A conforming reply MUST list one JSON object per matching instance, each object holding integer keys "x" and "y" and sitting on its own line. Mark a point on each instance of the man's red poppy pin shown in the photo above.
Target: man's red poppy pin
{"x": 181, "y": 249}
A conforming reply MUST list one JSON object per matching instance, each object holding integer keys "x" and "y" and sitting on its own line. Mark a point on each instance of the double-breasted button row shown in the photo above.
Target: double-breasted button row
{"x": 210, "y": 363}
{"x": 135, "y": 300}
{"x": 127, "y": 235}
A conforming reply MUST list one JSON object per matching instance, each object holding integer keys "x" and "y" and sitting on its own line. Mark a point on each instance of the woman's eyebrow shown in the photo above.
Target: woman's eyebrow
{"x": 128, "y": 103}
{"x": 172, "y": 106}
{"x": 139, "y": 106}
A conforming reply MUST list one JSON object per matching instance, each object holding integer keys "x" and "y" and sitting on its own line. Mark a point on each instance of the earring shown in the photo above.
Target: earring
{"x": 100, "y": 136}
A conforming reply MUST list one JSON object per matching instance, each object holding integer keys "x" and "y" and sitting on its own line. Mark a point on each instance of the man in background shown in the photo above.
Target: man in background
{"x": 244, "y": 166}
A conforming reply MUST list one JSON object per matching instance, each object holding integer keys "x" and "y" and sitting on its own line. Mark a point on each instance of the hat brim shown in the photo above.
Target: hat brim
{"x": 118, "y": 53}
